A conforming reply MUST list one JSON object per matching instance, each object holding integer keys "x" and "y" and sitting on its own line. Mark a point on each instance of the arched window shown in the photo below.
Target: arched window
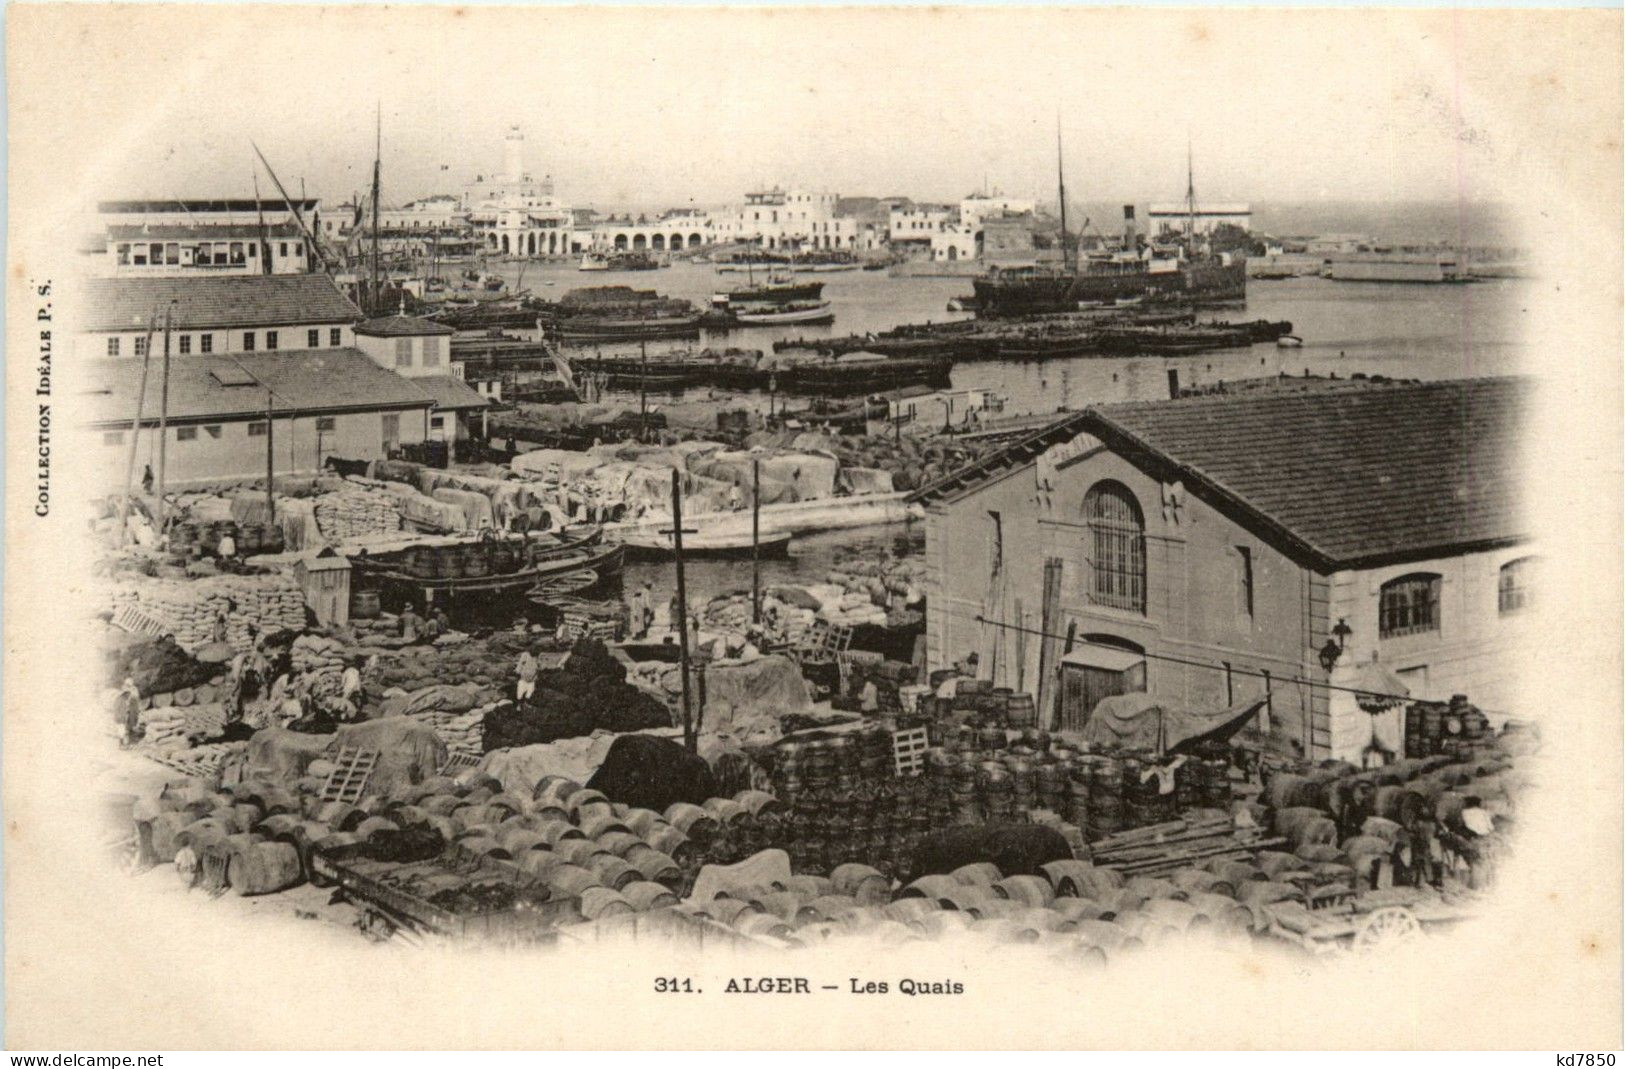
{"x": 1409, "y": 605}
{"x": 1117, "y": 547}
{"x": 1513, "y": 592}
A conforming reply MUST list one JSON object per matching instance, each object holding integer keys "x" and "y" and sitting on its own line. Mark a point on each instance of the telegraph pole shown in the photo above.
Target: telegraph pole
{"x": 270, "y": 457}
{"x": 163, "y": 422}
{"x": 756, "y": 542}
{"x": 135, "y": 432}
{"x": 690, "y": 740}
{"x": 643, "y": 392}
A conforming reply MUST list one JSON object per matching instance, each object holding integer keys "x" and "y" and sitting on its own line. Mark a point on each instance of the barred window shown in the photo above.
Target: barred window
{"x": 1409, "y": 605}
{"x": 1117, "y": 547}
{"x": 1513, "y": 592}
{"x": 313, "y": 338}
{"x": 431, "y": 352}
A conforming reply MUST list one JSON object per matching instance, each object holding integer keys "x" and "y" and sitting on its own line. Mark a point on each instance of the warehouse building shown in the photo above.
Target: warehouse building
{"x": 1301, "y": 546}
{"x": 419, "y": 350}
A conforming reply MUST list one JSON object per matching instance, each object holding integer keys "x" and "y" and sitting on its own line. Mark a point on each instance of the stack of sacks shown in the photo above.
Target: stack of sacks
{"x": 315, "y": 653}
{"x": 355, "y": 510}
{"x": 188, "y": 609}
{"x": 461, "y": 732}
{"x": 164, "y": 726}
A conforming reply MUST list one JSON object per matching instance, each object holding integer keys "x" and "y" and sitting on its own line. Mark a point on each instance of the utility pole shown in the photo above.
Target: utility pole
{"x": 270, "y": 457}
{"x": 756, "y": 541}
{"x": 163, "y": 423}
{"x": 690, "y": 740}
{"x": 135, "y": 432}
{"x": 643, "y": 390}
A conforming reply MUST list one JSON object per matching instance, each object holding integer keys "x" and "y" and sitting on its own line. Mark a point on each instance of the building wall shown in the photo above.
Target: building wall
{"x": 1476, "y": 650}
{"x": 1008, "y": 240}
{"x": 428, "y": 354}
{"x": 94, "y": 345}
{"x": 961, "y": 583}
{"x": 972, "y": 210}
{"x": 1196, "y": 600}
{"x": 226, "y": 450}
{"x": 201, "y": 255}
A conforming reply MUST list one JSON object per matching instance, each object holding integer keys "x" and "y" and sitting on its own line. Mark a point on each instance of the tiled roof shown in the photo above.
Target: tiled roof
{"x": 449, "y": 392}
{"x": 200, "y": 231}
{"x": 246, "y": 205}
{"x": 1339, "y": 478}
{"x": 205, "y": 388}
{"x": 204, "y": 303}
{"x": 401, "y": 326}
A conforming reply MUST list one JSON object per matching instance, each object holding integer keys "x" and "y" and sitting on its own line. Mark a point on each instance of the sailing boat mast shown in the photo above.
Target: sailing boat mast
{"x": 377, "y": 160}
{"x": 1060, "y": 174}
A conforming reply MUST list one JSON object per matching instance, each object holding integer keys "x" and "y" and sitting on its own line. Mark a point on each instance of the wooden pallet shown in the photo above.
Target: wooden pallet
{"x": 908, "y": 751}
{"x": 138, "y": 622}
{"x": 459, "y": 761}
{"x": 351, "y": 771}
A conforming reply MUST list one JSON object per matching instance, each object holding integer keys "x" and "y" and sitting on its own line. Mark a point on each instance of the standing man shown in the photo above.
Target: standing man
{"x": 127, "y": 713}
{"x": 411, "y": 623}
{"x": 526, "y": 687}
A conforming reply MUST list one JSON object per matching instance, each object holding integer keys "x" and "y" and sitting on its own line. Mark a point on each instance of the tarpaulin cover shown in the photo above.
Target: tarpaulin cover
{"x": 442, "y": 698}
{"x": 652, "y": 773}
{"x": 745, "y": 701}
{"x": 520, "y": 768}
{"x": 409, "y": 751}
{"x": 283, "y": 755}
{"x": 476, "y": 506}
{"x": 866, "y": 480}
{"x": 1017, "y": 849}
{"x": 424, "y": 510}
{"x": 399, "y": 471}
{"x": 1145, "y": 722}
{"x": 762, "y": 869}
{"x": 297, "y": 518}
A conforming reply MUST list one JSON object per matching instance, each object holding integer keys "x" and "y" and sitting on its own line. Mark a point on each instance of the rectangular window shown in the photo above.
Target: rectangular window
{"x": 257, "y": 429}
{"x": 140, "y": 257}
{"x": 213, "y": 430}
{"x": 172, "y": 253}
{"x": 1244, "y": 581}
{"x": 156, "y": 253}
{"x": 392, "y": 431}
{"x": 124, "y": 254}
{"x": 141, "y": 347}
{"x": 284, "y": 250}
{"x": 270, "y": 339}
{"x": 112, "y": 437}
{"x": 238, "y": 257}
{"x": 254, "y": 250}
{"x": 437, "y": 423}
{"x": 335, "y": 336}
{"x": 1408, "y": 605}
{"x": 185, "y": 434}
{"x": 403, "y": 352}
{"x": 248, "y": 341}
{"x": 431, "y": 352}
{"x": 1513, "y": 590}
{"x": 326, "y": 423}
{"x": 313, "y": 338}
{"x": 112, "y": 346}
{"x": 185, "y": 344}
{"x": 205, "y": 343}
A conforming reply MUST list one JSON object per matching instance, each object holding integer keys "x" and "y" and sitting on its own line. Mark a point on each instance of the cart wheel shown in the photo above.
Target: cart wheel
{"x": 376, "y": 926}
{"x": 1387, "y": 927}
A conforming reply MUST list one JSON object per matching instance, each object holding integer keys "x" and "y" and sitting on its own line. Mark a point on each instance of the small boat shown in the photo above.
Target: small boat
{"x": 792, "y": 312}
{"x": 1289, "y": 341}
{"x": 593, "y": 262}
{"x": 650, "y": 544}
{"x": 563, "y": 584}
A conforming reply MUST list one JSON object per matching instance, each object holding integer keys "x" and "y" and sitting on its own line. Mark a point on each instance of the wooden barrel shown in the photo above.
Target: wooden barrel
{"x": 365, "y": 605}
{"x": 249, "y": 539}
{"x": 1020, "y": 711}
{"x": 264, "y": 868}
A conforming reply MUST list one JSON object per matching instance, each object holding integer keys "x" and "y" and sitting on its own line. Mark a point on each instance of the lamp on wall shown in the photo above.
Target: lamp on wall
{"x": 1330, "y": 652}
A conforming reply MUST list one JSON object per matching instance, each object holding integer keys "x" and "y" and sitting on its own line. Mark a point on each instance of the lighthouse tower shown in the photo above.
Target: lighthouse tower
{"x": 513, "y": 157}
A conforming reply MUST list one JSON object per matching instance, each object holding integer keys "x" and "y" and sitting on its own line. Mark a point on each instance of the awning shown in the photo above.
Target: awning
{"x": 1106, "y": 658}
{"x": 1379, "y": 688}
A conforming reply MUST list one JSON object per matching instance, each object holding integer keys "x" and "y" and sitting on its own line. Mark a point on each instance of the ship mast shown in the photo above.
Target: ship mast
{"x": 1190, "y": 199}
{"x": 377, "y": 161}
{"x": 1060, "y": 174}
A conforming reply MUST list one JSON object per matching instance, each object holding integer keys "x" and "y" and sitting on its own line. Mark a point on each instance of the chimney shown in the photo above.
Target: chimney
{"x": 1128, "y": 227}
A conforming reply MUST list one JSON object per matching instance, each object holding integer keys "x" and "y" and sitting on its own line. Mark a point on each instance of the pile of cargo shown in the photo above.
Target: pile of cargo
{"x": 356, "y": 511}
{"x": 187, "y": 609}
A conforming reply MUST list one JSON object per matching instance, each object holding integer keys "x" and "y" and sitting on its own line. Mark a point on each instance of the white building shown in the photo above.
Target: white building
{"x": 978, "y": 206}
{"x": 918, "y": 223}
{"x": 420, "y": 350}
{"x": 794, "y": 220}
{"x": 956, "y": 241}
{"x": 1207, "y": 217}
{"x": 179, "y": 249}
{"x": 512, "y": 214}
{"x": 232, "y": 314}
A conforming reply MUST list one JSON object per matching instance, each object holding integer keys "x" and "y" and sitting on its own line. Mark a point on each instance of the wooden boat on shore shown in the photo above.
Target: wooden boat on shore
{"x": 803, "y": 312}
{"x": 489, "y": 567}
{"x": 651, "y": 544}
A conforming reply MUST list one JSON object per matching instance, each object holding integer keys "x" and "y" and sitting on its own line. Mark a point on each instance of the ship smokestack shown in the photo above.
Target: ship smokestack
{"x": 1128, "y": 227}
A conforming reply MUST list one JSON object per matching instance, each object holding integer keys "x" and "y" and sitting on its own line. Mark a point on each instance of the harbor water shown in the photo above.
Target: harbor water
{"x": 1398, "y": 330}
{"x": 1402, "y": 331}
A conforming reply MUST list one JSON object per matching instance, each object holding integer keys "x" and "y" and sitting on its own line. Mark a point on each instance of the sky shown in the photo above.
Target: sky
{"x": 644, "y": 109}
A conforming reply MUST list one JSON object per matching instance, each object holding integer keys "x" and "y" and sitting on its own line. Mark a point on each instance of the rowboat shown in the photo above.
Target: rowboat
{"x": 649, "y": 544}
{"x": 795, "y": 312}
